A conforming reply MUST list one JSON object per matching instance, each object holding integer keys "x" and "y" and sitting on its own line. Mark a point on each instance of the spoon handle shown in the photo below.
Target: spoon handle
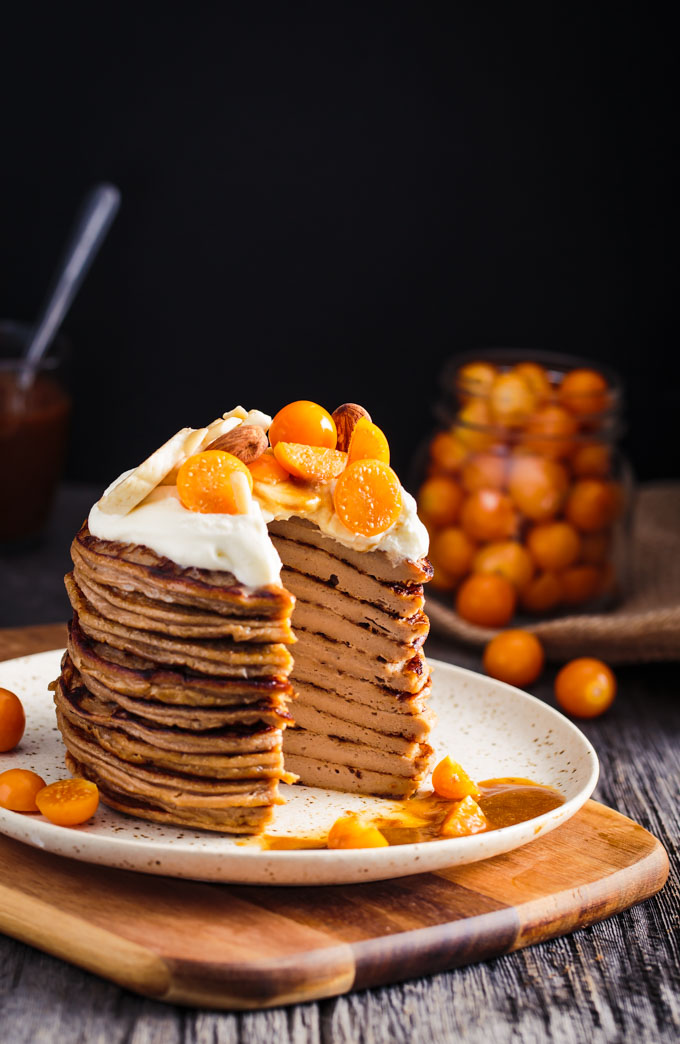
{"x": 94, "y": 219}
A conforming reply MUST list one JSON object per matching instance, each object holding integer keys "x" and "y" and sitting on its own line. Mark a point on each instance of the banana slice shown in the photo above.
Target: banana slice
{"x": 262, "y": 420}
{"x": 213, "y": 431}
{"x": 132, "y": 489}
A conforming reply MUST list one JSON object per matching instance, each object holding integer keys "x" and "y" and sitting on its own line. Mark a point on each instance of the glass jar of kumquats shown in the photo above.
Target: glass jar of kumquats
{"x": 526, "y": 493}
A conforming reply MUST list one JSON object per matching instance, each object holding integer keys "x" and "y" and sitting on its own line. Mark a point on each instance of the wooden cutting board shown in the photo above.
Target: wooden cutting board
{"x": 246, "y": 947}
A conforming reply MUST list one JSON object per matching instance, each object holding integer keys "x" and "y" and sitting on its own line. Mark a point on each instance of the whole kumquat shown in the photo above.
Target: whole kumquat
{"x": 12, "y": 720}
{"x": 542, "y": 593}
{"x": 484, "y": 471}
{"x": 580, "y": 584}
{"x": 585, "y": 687}
{"x": 453, "y": 551}
{"x": 472, "y": 426}
{"x": 538, "y": 486}
{"x": 584, "y": 392}
{"x": 550, "y": 432}
{"x": 304, "y": 421}
{"x": 591, "y": 460}
{"x": 204, "y": 483}
{"x": 439, "y": 501}
{"x": 507, "y": 558}
{"x": 554, "y": 545}
{"x": 512, "y": 400}
{"x": 68, "y": 802}
{"x": 476, "y": 378}
{"x": 447, "y": 453}
{"x": 488, "y": 514}
{"x": 537, "y": 379}
{"x": 514, "y": 656}
{"x": 486, "y": 599}
{"x": 351, "y": 832}
{"x": 18, "y": 788}
{"x": 591, "y": 505}
{"x": 450, "y": 780}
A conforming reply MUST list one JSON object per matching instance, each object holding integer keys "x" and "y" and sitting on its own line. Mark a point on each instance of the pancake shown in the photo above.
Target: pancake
{"x": 188, "y": 693}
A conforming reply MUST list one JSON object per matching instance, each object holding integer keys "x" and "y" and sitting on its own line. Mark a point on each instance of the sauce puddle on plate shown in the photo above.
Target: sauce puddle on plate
{"x": 504, "y": 802}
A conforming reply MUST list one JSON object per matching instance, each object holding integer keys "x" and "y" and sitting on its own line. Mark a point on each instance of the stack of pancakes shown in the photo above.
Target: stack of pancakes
{"x": 360, "y": 676}
{"x": 174, "y": 688}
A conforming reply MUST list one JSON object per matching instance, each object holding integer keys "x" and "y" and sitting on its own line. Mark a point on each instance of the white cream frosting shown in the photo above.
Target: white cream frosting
{"x": 240, "y": 544}
{"x": 237, "y": 544}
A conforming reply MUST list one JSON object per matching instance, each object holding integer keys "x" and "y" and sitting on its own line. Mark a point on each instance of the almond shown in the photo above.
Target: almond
{"x": 247, "y": 442}
{"x": 345, "y": 418}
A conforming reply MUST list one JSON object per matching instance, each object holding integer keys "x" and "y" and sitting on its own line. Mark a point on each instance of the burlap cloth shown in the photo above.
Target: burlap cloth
{"x": 644, "y": 626}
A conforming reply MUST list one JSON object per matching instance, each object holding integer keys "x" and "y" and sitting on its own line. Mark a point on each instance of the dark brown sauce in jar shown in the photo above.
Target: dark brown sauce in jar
{"x": 504, "y": 802}
{"x": 33, "y": 426}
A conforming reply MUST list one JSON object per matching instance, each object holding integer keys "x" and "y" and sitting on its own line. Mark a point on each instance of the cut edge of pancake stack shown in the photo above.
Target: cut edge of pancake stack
{"x": 174, "y": 690}
{"x": 360, "y": 677}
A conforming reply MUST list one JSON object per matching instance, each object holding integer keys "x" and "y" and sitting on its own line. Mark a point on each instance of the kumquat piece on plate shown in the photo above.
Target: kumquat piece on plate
{"x": 12, "y": 720}
{"x": 68, "y": 802}
{"x": 351, "y": 832}
{"x": 451, "y": 781}
{"x": 18, "y": 788}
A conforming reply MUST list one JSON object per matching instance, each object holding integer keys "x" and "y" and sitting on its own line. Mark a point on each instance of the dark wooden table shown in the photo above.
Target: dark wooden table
{"x": 616, "y": 981}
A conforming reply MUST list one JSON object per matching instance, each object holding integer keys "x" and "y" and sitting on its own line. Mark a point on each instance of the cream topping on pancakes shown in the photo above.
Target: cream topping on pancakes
{"x": 239, "y": 543}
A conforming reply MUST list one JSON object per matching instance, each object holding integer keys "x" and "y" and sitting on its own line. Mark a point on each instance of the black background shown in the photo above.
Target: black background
{"x": 326, "y": 201}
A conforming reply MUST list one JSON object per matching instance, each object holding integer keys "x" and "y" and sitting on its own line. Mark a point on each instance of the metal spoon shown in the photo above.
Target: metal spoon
{"x": 89, "y": 231}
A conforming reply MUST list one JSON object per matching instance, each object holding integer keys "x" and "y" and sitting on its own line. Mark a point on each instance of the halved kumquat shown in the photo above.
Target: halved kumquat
{"x": 267, "y": 468}
{"x": 367, "y": 497}
{"x": 311, "y": 463}
{"x": 68, "y": 802}
{"x": 368, "y": 441}
{"x": 204, "y": 482}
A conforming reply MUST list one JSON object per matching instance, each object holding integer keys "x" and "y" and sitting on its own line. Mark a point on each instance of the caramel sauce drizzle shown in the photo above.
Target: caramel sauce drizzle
{"x": 504, "y": 802}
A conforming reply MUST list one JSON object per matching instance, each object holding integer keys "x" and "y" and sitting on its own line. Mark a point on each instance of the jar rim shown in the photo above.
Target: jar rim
{"x": 557, "y": 362}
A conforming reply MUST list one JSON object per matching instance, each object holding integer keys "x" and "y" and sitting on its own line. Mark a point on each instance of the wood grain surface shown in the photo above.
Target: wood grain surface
{"x": 615, "y": 981}
{"x": 251, "y": 947}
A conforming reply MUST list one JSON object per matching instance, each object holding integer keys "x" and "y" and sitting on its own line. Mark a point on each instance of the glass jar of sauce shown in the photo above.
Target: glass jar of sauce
{"x": 525, "y": 481}
{"x": 33, "y": 431}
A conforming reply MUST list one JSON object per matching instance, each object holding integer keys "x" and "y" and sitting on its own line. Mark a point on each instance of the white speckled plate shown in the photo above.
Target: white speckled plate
{"x": 493, "y": 729}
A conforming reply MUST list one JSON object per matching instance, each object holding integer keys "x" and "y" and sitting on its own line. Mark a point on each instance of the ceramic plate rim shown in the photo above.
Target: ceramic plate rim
{"x": 344, "y": 864}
